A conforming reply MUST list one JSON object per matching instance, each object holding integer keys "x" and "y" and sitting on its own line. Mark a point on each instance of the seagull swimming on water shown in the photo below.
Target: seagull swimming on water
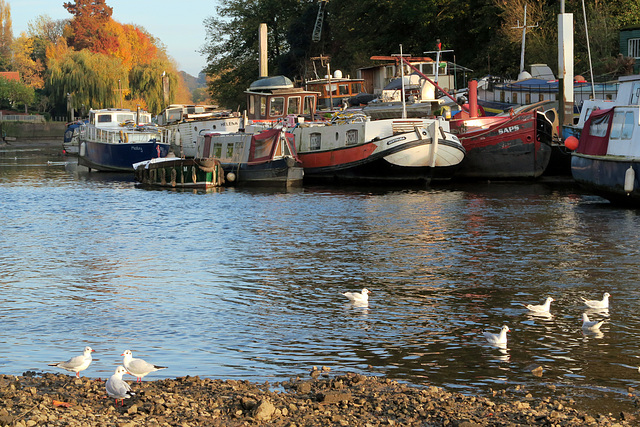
{"x": 138, "y": 367}
{"x": 542, "y": 308}
{"x": 361, "y": 298}
{"x": 604, "y": 303}
{"x": 117, "y": 387}
{"x": 497, "y": 340}
{"x": 77, "y": 363}
{"x": 590, "y": 325}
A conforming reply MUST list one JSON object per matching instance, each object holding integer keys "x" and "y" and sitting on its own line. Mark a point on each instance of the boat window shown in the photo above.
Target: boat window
{"x": 217, "y": 150}
{"x": 599, "y": 126}
{"x": 540, "y": 97}
{"x": 357, "y": 88}
{"x": 527, "y": 98}
{"x": 104, "y": 118}
{"x": 616, "y": 126}
{"x": 627, "y": 129}
{"x": 315, "y": 140}
{"x": 121, "y": 118}
{"x": 352, "y": 137}
{"x": 331, "y": 89}
{"x": 293, "y": 105}
{"x": 514, "y": 98}
{"x": 635, "y": 94}
{"x": 230, "y": 150}
{"x": 276, "y": 107}
{"x": 344, "y": 89}
{"x": 263, "y": 107}
{"x": 252, "y": 104}
{"x": 502, "y": 98}
{"x": 309, "y": 106}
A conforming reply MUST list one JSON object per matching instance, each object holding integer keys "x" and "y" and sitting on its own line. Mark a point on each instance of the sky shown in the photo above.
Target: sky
{"x": 179, "y": 26}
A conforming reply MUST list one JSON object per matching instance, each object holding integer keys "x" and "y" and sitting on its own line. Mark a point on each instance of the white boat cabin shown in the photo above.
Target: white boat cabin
{"x": 118, "y": 117}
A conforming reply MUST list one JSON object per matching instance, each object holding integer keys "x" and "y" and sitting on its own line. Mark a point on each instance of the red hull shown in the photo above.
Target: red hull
{"x": 502, "y": 147}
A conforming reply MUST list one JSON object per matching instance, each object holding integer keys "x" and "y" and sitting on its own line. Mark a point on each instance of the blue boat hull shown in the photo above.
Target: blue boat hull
{"x": 605, "y": 176}
{"x": 103, "y": 156}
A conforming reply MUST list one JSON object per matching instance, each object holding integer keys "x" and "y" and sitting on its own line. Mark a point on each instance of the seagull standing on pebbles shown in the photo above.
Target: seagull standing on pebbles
{"x": 358, "y": 298}
{"x": 138, "y": 367}
{"x": 497, "y": 340}
{"x": 590, "y": 325}
{"x": 77, "y": 363}
{"x": 542, "y": 308}
{"x": 117, "y": 387}
{"x": 603, "y": 304}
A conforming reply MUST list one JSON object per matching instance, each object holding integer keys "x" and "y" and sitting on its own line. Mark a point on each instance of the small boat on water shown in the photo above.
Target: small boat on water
{"x": 186, "y": 121}
{"x": 177, "y": 172}
{"x": 114, "y": 139}
{"x": 607, "y": 158}
{"x": 263, "y": 158}
{"x": 70, "y": 142}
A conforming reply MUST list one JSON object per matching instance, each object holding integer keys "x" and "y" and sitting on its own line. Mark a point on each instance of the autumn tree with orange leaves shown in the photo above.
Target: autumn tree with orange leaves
{"x": 135, "y": 63}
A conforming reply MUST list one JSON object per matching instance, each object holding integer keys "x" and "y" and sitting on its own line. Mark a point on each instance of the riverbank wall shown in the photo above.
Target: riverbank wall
{"x": 32, "y": 132}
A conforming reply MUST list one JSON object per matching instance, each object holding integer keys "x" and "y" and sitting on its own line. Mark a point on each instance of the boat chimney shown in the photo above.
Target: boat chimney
{"x": 263, "y": 65}
{"x": 473, "y": 99}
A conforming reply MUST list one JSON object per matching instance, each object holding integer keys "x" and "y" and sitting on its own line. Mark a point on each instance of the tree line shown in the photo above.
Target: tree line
{"x": 484, "y": 35}
{"x": 86, "y": 61}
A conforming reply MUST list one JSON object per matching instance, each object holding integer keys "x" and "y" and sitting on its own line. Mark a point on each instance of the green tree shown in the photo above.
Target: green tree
{"x": 88, "y": 79}
{"x": 154, "y": 83}
{"x": 14, "y": 94}
{"x": 231, "y": 44}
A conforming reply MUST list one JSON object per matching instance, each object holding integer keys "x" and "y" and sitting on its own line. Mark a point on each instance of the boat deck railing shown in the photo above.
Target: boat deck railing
{"x": 124, "y": 135}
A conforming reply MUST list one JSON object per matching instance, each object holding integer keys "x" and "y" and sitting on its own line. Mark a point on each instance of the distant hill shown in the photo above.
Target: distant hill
{"x": 193, "y": 82}
{"x": 197, "y": 86}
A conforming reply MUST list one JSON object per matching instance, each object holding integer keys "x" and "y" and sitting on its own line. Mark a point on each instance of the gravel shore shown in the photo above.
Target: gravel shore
{"x": 321, "y": 400}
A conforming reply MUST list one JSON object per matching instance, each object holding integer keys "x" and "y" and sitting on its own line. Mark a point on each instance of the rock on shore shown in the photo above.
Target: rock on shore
{"x": 344, "y": 400}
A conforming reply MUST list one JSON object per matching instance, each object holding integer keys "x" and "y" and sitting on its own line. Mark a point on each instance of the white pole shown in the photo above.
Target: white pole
{"x": 586, "y": 32}
{"x": 404, "y": 106}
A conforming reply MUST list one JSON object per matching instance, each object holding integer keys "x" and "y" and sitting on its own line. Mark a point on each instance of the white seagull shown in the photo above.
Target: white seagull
{"x": 138, "y": 367}
{"x": 359, "y": 298}
{"x": 117, "y": 387}
{"x": 77, "y": 363}
{"x": 604, "y": 303}
{"x": 542, "y": 308}
{"x": 497, "y": 340}
{"x": 590, "y": 325}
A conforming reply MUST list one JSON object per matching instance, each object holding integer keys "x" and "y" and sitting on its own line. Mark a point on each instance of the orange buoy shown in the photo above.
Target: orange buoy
{"x": 571, "y": 143}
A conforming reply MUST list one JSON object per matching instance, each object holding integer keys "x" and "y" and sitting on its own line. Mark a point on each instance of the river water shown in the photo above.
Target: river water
{"x": 246, "y": 284}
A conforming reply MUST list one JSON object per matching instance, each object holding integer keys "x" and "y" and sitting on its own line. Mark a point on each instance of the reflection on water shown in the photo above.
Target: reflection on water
{"x": 248, "y": 283}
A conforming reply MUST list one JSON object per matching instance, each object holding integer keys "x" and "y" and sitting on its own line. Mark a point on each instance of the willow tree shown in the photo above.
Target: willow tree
{"x": 155, "y": 82}
{"x": 86, "y": 79}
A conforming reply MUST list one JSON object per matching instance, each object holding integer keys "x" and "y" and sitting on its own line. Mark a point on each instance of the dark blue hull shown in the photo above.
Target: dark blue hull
{"x": 104, "y": 156}
{"x": 274, "y": 172}
{"x": 605, "y": 177}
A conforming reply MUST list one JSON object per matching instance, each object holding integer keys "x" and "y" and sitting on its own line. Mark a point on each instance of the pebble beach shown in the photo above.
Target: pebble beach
{"x": 322, "y": 399}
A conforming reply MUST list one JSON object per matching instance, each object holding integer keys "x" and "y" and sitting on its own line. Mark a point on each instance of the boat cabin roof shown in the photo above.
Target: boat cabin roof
{"x": 269, "y": 100}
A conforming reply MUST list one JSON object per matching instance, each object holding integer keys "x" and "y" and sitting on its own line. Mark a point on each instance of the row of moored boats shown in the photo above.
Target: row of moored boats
{"x": 283, "y": 139}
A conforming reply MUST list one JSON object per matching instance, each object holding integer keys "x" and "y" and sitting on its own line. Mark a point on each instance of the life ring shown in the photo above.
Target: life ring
{"x": 174, "y": 174}
{"x": 193, "y": 174}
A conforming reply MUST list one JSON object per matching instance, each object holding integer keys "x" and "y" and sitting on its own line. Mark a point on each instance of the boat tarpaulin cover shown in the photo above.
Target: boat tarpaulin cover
{"x": 263, "y": 145}
{"x": 594, "y": 139}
